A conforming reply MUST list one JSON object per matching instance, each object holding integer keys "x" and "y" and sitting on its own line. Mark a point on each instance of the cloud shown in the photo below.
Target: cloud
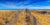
{"x": 11, "y": 5}
{"x": 8, "y": 5}
{"x": 25, "y": 4}
{"x": 42, "y": 7}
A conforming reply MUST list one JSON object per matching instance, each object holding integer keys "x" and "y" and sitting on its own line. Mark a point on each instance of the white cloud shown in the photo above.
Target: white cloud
{"x": 42, "y": 7}
{"x": 8, "y": 6}
{"x": 12, "y": 5}
{"x": 19, "y": 3}
{"x": 15, "y": 6}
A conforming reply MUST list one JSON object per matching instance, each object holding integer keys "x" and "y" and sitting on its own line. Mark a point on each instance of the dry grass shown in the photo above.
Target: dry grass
{"x": 44, "y": 19}
{"x": 21, "y": 19}
{"x": 7, "y": 15}
{"x": 24, "y": 19}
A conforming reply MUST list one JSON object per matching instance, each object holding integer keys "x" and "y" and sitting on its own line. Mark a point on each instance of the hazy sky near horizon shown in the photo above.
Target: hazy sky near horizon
{"x": 23, "y": 4}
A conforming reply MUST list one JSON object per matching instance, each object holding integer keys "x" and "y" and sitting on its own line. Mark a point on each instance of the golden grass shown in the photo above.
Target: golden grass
{"x": 21, "y": 19}
{"x": 7, "y": 15}
{"x": 44, "y": 19}
{"x": 24, "y": 19}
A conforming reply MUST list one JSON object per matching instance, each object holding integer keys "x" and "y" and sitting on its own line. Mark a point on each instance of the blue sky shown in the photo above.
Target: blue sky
{"x": 23, "y": 4}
